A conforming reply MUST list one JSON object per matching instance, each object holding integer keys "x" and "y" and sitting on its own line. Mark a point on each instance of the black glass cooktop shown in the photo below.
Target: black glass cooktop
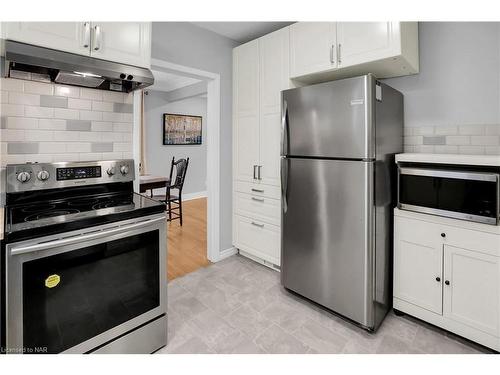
{"x": 53, "y": 216}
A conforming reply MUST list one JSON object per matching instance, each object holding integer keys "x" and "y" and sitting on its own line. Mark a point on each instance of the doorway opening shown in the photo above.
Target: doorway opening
{"x": 183, "y": 94}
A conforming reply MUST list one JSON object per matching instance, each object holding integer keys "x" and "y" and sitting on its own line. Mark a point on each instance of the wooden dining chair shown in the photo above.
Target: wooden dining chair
{"x": 174, "y": 202}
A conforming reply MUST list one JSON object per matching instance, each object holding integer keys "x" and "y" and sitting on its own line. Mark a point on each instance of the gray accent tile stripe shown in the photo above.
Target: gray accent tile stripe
{"x": 3, "y": 122}
{"x": 53, "y": 101}
{"x": 22, "y": 148}
{"x": 123, "y": 107}
{"x": 102, "y": 147}
{"x": 439, "y": 140}
{"x": 78, "y": 125}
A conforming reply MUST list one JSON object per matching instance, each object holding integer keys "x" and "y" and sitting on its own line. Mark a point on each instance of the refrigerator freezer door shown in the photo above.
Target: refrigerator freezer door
{"x": 330, "y": 120}
{"x": 327, "y": 234}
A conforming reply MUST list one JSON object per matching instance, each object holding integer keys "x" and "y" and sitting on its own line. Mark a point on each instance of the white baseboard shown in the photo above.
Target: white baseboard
{"x": 200, "y": 194}
{"x": 227, "y": 253}
{"x": 185, "y": 197}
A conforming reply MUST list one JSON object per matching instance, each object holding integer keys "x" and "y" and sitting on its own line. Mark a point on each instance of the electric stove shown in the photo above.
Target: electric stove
{"x": 84, "y": 262}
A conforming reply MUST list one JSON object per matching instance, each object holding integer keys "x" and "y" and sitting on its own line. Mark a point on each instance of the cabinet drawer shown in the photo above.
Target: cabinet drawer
{"x": 258, "y": 189}
{"x": 425, "y": 228}
{"x": 260, "y": 208}
{"x": 257, "y": 238}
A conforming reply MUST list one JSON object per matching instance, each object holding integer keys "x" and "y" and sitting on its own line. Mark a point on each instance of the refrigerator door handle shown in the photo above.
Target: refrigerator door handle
{"x": 284, "y": 184}
{"x": 284, "y": 129}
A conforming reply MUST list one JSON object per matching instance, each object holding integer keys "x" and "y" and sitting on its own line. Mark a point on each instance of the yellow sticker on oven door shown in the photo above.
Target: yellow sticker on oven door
{"x": 52, "y": 281}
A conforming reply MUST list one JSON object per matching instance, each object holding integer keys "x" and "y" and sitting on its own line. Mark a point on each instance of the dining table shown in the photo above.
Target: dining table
{"x": 150, "y": 182}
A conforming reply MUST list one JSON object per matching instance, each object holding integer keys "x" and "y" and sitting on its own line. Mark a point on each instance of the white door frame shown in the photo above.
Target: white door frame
{"x": 213, "y": 146}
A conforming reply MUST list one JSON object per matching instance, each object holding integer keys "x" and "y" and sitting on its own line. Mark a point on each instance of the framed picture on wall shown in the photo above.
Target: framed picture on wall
{"x": 181, "y": 129}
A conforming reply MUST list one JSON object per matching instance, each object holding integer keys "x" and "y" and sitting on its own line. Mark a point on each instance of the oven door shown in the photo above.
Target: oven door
{"x": 466, "y": 195}
{"x": 76, "y": 292}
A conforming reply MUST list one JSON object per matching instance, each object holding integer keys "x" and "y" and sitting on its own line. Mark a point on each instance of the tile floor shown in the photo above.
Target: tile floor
{"x": 238, "y": 306}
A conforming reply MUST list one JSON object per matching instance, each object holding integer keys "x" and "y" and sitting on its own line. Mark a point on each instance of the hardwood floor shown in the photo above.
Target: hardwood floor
{"x": 187, "y": 245}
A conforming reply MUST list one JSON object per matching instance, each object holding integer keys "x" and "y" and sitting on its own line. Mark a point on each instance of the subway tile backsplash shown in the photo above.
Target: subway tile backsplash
{"x": 46, "y": 122}
{"x": 461, "y": 139}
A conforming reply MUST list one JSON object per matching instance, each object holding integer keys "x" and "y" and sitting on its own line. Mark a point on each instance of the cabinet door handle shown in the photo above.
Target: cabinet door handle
{"x": 438, "y": 279}
{"x": 258, "y": 190}
{"x": 340, "y": 54}
{"x": 332, "y": 54}
{"x": 86, "y": 35}
{"x": 447, "y": 282}
{"x": 97, "y": 38}
{"x": 259, "y": 170}
{"x": 257, "y": 224}
{"x": 254, "y": 172}
{"x": 258, "y": 199}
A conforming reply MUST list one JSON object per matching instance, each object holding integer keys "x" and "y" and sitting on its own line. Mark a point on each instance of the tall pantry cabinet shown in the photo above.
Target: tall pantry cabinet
{"x": 260, "y": 73}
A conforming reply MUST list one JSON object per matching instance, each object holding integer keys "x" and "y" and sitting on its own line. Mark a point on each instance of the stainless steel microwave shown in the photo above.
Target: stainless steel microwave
{"x": 466, "y": 194}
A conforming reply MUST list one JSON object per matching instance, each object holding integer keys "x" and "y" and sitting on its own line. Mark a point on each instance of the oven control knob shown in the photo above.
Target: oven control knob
{"x": 111, "y": 171}
{"x": 124, "y": 169}
{"x": 43, "y": 175}
{"x": 23, "y": 177}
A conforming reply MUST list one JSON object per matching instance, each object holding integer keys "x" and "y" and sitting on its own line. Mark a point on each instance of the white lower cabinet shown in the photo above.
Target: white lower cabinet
{"x": 418, "y": 266}
{"x": 261, "y": 208}
{"x": 472, "y": 290}
{"x": 447, "y": 272}
{"x": 257, "y": 238}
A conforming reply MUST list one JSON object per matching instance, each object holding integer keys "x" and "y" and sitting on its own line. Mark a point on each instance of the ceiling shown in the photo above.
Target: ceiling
{"x": 168, "y": 81}
{"x": 242, "y": 32}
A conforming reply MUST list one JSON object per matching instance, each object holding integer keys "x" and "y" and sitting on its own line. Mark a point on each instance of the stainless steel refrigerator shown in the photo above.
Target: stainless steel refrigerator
{"x": 338, "y": 188}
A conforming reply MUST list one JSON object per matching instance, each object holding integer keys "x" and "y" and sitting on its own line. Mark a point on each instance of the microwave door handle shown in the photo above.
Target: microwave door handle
{"x": 82, "y": 238}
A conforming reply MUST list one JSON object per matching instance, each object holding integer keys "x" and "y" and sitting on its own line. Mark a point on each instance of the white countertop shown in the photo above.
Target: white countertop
{"x": 485, "y": 160}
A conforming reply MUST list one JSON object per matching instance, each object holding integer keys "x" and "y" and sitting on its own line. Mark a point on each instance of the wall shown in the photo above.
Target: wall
{"x": 159, "y": 156}
{"x": 42, "y": 122}
{"x": 453, "y": 104}
{"x": 186, "y": 44}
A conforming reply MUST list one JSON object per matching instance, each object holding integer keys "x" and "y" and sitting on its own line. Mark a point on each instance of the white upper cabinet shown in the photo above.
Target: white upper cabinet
{"x": 324, "y": 51}
{"x": 312, "y": 47}
{"x": 246, "y": 111}
{"x": 274, "y": 77}
{"x": 125, "y": 42}
{"x": 71, "y": 37}
{"x": 361, "y": 42}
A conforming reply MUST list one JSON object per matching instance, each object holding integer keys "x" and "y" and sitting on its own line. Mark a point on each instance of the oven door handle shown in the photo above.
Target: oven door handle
{"x": 82, "y": 237}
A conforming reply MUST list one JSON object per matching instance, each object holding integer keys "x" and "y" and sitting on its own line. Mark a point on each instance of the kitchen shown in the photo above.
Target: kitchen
{"x": 361, "y": 221}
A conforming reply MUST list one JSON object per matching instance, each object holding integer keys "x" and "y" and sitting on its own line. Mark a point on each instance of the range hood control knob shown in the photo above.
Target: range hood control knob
{"x": 43, "y": 175}
{"x": 23, "y": 177}
{"x": 123, "y": 75}
{"x": 110, "y": 171}
{"x": 124, "y": 169}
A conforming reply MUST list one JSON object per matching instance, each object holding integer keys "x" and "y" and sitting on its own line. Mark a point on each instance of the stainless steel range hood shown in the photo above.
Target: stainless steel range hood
{"x": 45, "y": 64}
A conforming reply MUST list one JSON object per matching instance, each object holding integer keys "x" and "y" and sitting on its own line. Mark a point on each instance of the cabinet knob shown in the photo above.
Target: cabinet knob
{"x": 443, "y": 235}
{"x": 438, "y": 279}
{"x": 447, "y": 282}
